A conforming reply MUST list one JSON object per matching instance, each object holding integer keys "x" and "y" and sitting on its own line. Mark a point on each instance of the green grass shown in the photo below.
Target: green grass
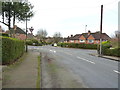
{"x": 38, "y": 77}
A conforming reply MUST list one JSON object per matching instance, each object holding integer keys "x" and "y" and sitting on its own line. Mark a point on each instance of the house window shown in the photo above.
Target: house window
{"x": 71, "y": 40}
{"x": 90, "y": 41}
{"x": 82, "y": 40}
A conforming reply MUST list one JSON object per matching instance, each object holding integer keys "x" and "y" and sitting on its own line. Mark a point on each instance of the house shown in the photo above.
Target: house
{"x": 18, "y": 33}
{"x": 30, "y": 36}
{"x": 88, "y": 38}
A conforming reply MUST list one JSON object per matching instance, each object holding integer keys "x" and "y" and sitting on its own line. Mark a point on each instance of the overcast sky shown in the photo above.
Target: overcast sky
{"x": 70, "y": 16}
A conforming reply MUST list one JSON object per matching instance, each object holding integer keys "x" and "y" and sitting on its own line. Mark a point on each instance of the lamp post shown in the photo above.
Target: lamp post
{"x": 26, "y": 33}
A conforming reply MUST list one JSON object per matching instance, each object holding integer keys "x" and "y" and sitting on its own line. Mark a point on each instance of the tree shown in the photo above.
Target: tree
{"x": 57, "y": 37}
{"x": 17, "y": 10}
{"x": 41, "y": 35}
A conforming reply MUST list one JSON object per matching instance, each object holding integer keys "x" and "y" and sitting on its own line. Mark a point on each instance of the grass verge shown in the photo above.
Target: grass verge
{"x": 38, "y": 77}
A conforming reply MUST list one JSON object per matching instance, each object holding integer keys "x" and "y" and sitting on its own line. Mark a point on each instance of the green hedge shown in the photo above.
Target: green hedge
{"x": 107, "y": 51}
{"x": 111, "y": 52}
{"x": 77, "y": 45}
{"x": 4, "y": 34}
{"x": 11, "y": 49}
{"x": 33, "y": 42}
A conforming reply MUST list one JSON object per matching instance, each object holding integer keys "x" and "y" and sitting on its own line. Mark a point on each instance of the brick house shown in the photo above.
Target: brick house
{"x": 88, "y": 38}
{"x": 18, "y": 33}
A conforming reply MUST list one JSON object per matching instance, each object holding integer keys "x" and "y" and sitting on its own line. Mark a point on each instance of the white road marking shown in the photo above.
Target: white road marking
{"x": 53, "y": 51}
{"x": 116, "y": 71}
{"x": 86, "y": 60}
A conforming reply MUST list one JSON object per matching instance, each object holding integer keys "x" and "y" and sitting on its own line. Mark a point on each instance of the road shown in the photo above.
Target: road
{"x": 92, "y": 71}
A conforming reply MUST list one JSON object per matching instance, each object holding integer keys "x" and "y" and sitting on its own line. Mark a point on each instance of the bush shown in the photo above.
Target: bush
{"x": 11, "y": 49}
{"x": 4, "y": 34}
{"x": 29, "y": 42}
{"x": 112, "y": 52}
{"x": 77, "y": 45}
{"x": 33, "y": 42}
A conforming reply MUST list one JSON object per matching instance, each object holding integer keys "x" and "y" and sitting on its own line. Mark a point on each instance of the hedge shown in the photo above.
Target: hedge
{"x": 31, "y": 41}
{"x": 12, "y": 49}
{"x": 4, "y": 34}
{"x": 77, "y": 45}
{"x": 112, "y": 52}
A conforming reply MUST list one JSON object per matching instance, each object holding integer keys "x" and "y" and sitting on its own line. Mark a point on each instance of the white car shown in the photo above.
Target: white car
{"x": 55, "y": 45}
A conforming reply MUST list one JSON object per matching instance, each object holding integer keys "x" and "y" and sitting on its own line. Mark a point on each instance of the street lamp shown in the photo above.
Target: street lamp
{"x": 26, "y": 32}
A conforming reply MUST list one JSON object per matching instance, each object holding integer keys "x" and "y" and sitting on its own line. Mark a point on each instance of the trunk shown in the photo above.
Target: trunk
{"x": 14, "y": 19}
{"x": 9, "y": 20}
{"x": 3, "y": 11}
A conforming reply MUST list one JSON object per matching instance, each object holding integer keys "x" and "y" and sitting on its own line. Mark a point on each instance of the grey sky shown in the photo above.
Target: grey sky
{"x": 71, "y": 16}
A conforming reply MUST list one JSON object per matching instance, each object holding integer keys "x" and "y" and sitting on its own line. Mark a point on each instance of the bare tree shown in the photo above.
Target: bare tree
{"x": 41, "y": 35}
{"x": 57, "y": 37}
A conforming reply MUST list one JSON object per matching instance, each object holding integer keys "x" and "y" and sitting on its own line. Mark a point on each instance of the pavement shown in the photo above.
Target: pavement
{"x": 91, "y": 71}
{"x": 23, "y": 75}
{"x": 107, "y": 57}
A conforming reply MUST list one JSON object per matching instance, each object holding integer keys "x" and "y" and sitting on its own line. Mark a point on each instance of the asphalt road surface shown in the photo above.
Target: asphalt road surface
{"x": 93, "y": 71}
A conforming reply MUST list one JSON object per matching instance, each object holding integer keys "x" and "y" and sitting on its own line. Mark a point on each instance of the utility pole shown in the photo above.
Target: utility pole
{"x": 101, "y": 30}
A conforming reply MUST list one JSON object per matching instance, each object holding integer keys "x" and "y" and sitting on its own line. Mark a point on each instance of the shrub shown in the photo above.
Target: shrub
{"x": 33, "y": 42}
{"x": 11, "y": 49}
{"x": 77, "y": 45}
{"x": 112, "y": 52}
{"x": 4, "y": 34}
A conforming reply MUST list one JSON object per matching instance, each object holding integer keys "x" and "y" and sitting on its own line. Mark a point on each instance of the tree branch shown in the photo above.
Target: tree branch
{"x": 4, "y": 23}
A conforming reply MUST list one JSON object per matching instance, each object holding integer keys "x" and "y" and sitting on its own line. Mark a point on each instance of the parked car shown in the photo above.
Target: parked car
{"x": 54, "y": 44}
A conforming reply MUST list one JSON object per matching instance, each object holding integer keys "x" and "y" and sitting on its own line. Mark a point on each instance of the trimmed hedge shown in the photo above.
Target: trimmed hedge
{"x": 33, "y": 42}
{"x": 112, "y": 52}
{"x": 77, "y": 45}
{"x": 12, "y": 49}
{"x": 4, "y": 34}
{"x": 107, "y": 51}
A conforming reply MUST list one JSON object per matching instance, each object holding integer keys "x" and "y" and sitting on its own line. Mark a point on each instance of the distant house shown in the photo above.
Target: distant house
{"x": 18, "y": 33}
{"x": 30, "y": 36}
{"x": 88, "y": 38}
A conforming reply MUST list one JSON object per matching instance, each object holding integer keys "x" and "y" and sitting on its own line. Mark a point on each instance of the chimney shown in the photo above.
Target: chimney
{"x": 89, "y": 32}
{"x": 71, "y": 35}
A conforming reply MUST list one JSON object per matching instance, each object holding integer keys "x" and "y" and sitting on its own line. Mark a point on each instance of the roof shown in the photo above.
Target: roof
{"x": 76, "y": 37}
{"x": 18, "y": 30}
{"x": 96, "y": 35}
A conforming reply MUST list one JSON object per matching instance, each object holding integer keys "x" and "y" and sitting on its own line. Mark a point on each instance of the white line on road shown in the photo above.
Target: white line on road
{"x": 86, "y": 60}
{"x": 116, "y": 71}
{"x": 53, "y": 51}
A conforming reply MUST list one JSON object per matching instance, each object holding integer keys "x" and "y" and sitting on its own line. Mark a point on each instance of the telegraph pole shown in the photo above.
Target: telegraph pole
{"x": 101, "y": 30}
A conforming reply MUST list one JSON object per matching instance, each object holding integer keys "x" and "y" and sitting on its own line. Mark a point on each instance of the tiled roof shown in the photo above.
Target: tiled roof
{"x": 18, "y": 30}
{"x": 76, "y": 37}
{"x": 96, "y": 35}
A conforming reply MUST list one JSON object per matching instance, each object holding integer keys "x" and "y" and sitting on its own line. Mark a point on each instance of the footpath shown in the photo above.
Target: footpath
{"x": 23, "y": 75}
{"x": 107, "y": 57}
